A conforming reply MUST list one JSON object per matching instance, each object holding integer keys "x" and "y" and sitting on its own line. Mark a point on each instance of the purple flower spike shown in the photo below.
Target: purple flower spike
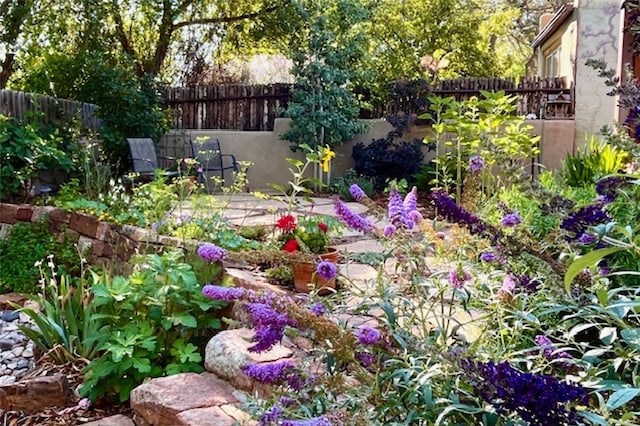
{"x": 271, "y": 416}
{"x": 415, "y": 216}
{"x": 327, "y": 270}
{"x": 269, "y": 373}
{"x": 226, "y": 294}
{"x": 396, "y": 206}
{"x": 587, "y": 239}
{"x": 211, "y": 252}
{"x": 511, "y": 219}
{"x": 318, "y": 309}
{"x": 357, "y": 193}
{"x": 488, "y": 256}
{"x": 350, "y": 218}
{"x": 476, "y": 163}
{"x": 315, "y": 421}
{"x": 389, "y": 230}
{"x": 410, "y": 201}
{"x": 368, "y": 335}
{"x": 365, "y": 358}
{"x": 266, "y": 338}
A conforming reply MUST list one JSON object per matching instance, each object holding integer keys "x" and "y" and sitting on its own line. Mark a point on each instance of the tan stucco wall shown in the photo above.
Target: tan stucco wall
{"x": 268, "y": 152}
{"x": 598, "y": 38}
{"x": 565, "y": 38}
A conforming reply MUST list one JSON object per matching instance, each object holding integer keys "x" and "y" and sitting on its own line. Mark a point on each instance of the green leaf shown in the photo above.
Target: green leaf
{"x": 185, "y": 319}
{"x": 586, "y": 261}
{"x": 631, "y": 336}
{"x": 621, "y": 397}
{"x": 594, "y": 418}
{"x": 608, "y": 335}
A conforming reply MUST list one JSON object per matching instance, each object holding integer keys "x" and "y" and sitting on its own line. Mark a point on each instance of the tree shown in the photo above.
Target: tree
{"x": 323, "y": 109}
{"x": 13, "y": 14}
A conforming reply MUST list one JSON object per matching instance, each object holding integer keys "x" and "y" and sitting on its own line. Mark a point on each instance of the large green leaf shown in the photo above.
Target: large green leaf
{"x": 586, "y": 261}
{"x": 631, "y": 336}
{"x": 621, "y": 397}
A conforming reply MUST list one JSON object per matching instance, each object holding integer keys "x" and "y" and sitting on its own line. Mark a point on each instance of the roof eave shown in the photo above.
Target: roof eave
{"x": 558, "y": 19}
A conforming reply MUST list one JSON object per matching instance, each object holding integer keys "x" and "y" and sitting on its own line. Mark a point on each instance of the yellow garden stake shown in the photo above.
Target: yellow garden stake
{"x": 326, "y": 154}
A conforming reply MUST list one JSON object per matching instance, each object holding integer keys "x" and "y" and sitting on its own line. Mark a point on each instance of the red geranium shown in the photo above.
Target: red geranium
{"x": 290, "y": 246}
{"x": 323, "y": 227}
{"x": 287, "y": 223}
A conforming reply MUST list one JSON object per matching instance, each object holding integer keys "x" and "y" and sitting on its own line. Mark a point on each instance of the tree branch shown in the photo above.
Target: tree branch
{"x": 226, "y": 19}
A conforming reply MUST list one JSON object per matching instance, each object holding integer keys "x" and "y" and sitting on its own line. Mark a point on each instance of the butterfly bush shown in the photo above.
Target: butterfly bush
{"x": 540, "y": 400}
{"x": 211, "y": 252}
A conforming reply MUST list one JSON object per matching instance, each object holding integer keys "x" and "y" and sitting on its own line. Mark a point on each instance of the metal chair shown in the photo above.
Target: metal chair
{"x": 144, "y": 158}
{"x": 211, "y": 159}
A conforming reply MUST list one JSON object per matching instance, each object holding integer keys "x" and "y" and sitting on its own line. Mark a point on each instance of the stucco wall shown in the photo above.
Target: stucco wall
{"x": 598, "y": 38}
{"x": 268, "y": 151}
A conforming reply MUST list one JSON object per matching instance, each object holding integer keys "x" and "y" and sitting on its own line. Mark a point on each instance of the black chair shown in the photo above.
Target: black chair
{"x": 212, "y": 159}
{"x": 144, "y": 158}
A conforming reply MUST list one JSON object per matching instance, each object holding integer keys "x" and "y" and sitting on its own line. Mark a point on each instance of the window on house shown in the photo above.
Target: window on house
{"x": 552, "y": 64}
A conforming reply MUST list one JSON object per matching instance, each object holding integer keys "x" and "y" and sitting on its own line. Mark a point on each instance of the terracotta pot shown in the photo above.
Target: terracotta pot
{"x": 305, "y": 277}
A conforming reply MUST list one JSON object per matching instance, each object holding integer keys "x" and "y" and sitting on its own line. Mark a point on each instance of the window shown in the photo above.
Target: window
{"x": 552, "y": 64}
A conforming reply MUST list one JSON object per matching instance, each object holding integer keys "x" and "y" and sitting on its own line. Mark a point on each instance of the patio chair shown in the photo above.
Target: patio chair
{"x": 211, "y": 159}
{"x": 144, "y": 158}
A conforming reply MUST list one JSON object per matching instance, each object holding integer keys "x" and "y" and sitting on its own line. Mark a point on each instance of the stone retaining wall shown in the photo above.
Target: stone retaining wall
{"x": 102, "y": 242}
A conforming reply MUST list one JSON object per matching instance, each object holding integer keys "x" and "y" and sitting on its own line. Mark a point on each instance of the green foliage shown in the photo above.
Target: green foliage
{"x": 486, "y": 127}
{"x": 595, "y": 161}
{"x": 341, "y": 184}
{"x": 157, "y": 320}
{"x": 323, "y": 111}
{"x": 27, "y": 149}
{"x": 67, "y": 327}
{"x": 128, "y": 106}
{"x": 26, "y": 244}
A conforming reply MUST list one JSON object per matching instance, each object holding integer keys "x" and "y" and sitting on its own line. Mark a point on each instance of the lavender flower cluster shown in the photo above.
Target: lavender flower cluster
{"x": 579, "y": 222}
{"x": 211, "y": 252}
{"x": 402, "y": 213}
{"x": 351, "y": 218}
{"x": 448, "y": 209}
{"x": 549, "y": 349}
{"x": 540, "y": 400}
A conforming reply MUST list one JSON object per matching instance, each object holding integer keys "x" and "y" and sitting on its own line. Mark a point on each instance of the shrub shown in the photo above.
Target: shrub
{"x": 387, "y": 158}
{"x": 598, "y": 159}
{"x": 27, "y": 149}
{"x": 26, "y": 244}
{"x": 157, "y": 317}
{"x": 341, "y": 184}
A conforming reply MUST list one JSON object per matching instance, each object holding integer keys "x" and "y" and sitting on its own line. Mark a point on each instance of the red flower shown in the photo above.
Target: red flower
{"x": 290, "y": 246}
{"x": 323, "y": 227}
{"x": 287, "y": 223}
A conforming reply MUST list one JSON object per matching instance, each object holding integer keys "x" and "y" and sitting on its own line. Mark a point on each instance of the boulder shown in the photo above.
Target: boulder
{"x": 35, "y": 394}
{"x": 117, "y": 420}
{"x": 228, "y": 351}
{"x": 209, "y": 416}
{"x": 160, "y": 400}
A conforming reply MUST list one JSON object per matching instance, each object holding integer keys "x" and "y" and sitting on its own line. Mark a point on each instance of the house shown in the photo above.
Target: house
{"x": 575, "y": 33}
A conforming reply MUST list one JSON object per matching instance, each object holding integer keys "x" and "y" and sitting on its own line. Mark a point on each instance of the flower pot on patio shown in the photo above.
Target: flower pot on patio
{"x": 305, "y": 277}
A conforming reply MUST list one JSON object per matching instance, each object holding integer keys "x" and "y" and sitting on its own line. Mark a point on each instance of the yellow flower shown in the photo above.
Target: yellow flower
{"x": 327, "y": 155}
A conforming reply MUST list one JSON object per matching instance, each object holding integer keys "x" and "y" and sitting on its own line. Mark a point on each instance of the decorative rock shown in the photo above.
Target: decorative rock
{"x": 228, "y": 351}
{"x": 8, "y": 298}
{"x": 28, "y": 352}
{"x": 117, "y": 420}
{"x": 17, "y": 351}
{"x": 160, "y": 400}
{"x": 35, "y": 394}
{"x": 23, "y": 363}
{"x": 6, "y": 344}
{"x": 7, "y": 380}
{"x": 246, "y": 279}
{"x": 210, "y": 416}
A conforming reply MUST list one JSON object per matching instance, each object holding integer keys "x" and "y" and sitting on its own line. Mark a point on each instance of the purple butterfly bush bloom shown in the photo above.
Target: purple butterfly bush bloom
{"x": 410, "y": 202}
{"x": 350, "y": 218}
{"x": 579, "y": 221}
{"x": 389, "y": 230}
{"x": 452, "y": 212}
{"x": 356, "y": 192}
{"x": 271, "y": 416}
{"x": 540, "y": 400}
{"x": 395, "y": 207}
{"x": 587, "y": 239}
{"x": 365, "y": 358}
{"x": 607, "y": 188}
{"x": 226, "y": 294}
{"x": 315, "y": 421}
{"x": 266, "y": 338}
{"x": 488, "y": 256}
{"x": 458, "y": 277}
{"x": 326, "y": 270}
{"x": 211, "y": 252}
{"x": 269, "y": 373}
{"x": 263, "y": 315}
{"x": 414, "y": 216}
{"x": 476, "y": 163}
{"x": 549, "y": 349}
{"x": 368, "y": 335}
{"x": 511, "y": 219}
{"x": 318, "y": 309}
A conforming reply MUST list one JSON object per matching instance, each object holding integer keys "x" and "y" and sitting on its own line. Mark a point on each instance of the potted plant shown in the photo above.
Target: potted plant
{"x": 308, "y": 235}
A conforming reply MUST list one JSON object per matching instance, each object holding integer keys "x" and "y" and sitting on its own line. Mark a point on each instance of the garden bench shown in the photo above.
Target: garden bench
{"x": 211, "y": 158}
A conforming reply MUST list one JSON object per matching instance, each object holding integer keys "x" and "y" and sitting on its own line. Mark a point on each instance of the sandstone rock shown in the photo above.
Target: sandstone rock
{"x": 117, "y": 420}
{"x": 8, "y": 298}
{"x": 245, "y": 279}
{"x": 34, "y": 394}
{"x": 210, "y": 416}
{"x": 228, "y": 351}
{"x": 160, "y": 400}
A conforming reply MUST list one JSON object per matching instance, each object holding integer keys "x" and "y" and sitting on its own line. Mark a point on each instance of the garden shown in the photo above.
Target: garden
{"x": 444, "y": 280}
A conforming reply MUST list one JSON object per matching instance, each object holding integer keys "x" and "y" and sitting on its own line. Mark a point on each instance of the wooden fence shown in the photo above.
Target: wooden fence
{"x": 255, "y": 107}
{"x": 47, "y": 109}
